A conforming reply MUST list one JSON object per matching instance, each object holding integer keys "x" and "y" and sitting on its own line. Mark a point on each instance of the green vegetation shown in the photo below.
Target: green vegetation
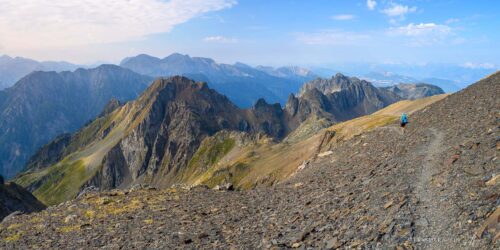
{"x": 88, "y": 134}
{"x": 61, "y": 182}
{"x": 308, "y": 128}
{"x": 233, "y": 174}
{"x": 210, "y": 152}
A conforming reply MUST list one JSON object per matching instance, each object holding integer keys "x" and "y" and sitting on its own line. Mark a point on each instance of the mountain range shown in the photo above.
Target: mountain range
{"x": 13, "y": 69}
{"x": 388, "y": 79}
{"x": 241, "y": 83}
{"x": 450, "y": 77}
{"x": 154, "y": 139}
{"x": 433, "y": 185}
{"x": 43, "y": 105}
{"x": 54, "y": 103}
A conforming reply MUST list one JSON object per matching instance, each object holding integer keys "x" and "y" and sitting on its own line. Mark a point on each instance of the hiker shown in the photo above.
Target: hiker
{"x": 404, "y": 121}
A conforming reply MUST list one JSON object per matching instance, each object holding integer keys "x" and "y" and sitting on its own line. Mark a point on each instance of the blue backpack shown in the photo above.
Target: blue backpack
{"x": 404, "y": 119}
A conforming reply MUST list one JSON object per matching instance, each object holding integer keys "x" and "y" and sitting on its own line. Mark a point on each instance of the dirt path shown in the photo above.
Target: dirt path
{"x": 433, "y": 210}
{"x": 395, "y": 129}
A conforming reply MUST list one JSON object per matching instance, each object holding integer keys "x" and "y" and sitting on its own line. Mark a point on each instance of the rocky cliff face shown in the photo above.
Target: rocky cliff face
{"x": 43, "y": 105}
{"x": 151, "y": 139}
{"x": 337, "y": 99}
{"x": 343, "y": 97}
{"x": 412, "y": 91}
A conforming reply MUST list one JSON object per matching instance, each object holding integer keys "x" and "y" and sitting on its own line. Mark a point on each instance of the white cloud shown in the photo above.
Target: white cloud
{"x": 421, "y": 29}
{"x": 452, "y": 20}
{"x": 371, "y": 4}
{"x": 220, "y": 39}
{"x": 470, "y": 65}
{"x": 343, "y": 17}
{"x": 397, "y": 10}
{"x": 42, "y": 24}
{"x": 332, "y": 37}
{"x": 423, "y": 33}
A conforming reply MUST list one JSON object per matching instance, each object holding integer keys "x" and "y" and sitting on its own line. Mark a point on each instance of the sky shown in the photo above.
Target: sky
{"x": 257, "y": 32}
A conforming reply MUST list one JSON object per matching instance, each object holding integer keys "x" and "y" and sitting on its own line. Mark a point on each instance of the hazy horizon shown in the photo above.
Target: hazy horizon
{"x": 318, "y": 33}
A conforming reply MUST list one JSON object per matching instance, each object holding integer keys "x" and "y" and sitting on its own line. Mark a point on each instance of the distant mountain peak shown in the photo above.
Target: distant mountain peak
{"x": 242, "y": 65}
{"x": 334, "y": 84}
{"x": 340, "y": 75}
{"x": 177, "y": 56}
{"x": 5, "y": 57}
{"x": 12, "y": 69}
{"x": 414, "y": 91}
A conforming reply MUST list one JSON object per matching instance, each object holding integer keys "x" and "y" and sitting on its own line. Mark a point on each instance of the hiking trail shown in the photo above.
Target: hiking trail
{"x": 433, "y": 211}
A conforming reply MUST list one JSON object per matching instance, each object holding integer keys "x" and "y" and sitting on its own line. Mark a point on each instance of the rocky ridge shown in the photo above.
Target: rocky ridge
{"x": 334, "y": 100}
{"x": 153, "y": 139}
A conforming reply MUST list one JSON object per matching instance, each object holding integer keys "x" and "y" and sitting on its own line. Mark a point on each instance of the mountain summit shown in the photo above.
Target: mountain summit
{"x": 148, "y": 140}
{"x": 12, "y": 69}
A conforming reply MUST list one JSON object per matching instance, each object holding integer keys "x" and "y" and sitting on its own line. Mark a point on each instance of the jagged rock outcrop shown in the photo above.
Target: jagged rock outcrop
{"x": 343, "y": 97}
{"x": 112, "y": 105}
{"x": 337, "y": 99}
{"x": 15, "y": 198}
{"x": 412, "y": 91}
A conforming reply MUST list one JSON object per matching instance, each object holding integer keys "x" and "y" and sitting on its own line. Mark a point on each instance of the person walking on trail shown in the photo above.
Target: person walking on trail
{"x": 404, "y": 121}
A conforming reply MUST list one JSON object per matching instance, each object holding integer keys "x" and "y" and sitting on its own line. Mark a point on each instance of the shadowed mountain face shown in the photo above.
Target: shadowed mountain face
{"x": 412, "y": 91}
{"x": 154, "y": 138}
{"x": 13, "y": 69}
{"x": 43, "y": 105}
{"x": 15, "y": 198}
{"x": 242, "y": 84}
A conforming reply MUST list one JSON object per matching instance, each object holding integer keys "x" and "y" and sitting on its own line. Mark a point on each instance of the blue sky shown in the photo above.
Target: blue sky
{"x": 312, "y": 32}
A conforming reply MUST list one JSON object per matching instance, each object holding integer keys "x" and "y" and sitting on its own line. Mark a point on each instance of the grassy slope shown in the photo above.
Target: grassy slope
{"x": 63, "y": 180}
{"x": 268, "y": 162}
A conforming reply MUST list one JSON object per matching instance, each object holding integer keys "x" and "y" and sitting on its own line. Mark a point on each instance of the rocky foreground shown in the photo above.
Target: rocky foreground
{"x": 436, "y": 186}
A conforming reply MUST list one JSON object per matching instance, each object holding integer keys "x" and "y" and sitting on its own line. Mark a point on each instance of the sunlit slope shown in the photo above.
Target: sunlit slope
{"x": 147, "y": 141}
{"x": 64, "y": 179}
{"x": 264, "y": 161}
